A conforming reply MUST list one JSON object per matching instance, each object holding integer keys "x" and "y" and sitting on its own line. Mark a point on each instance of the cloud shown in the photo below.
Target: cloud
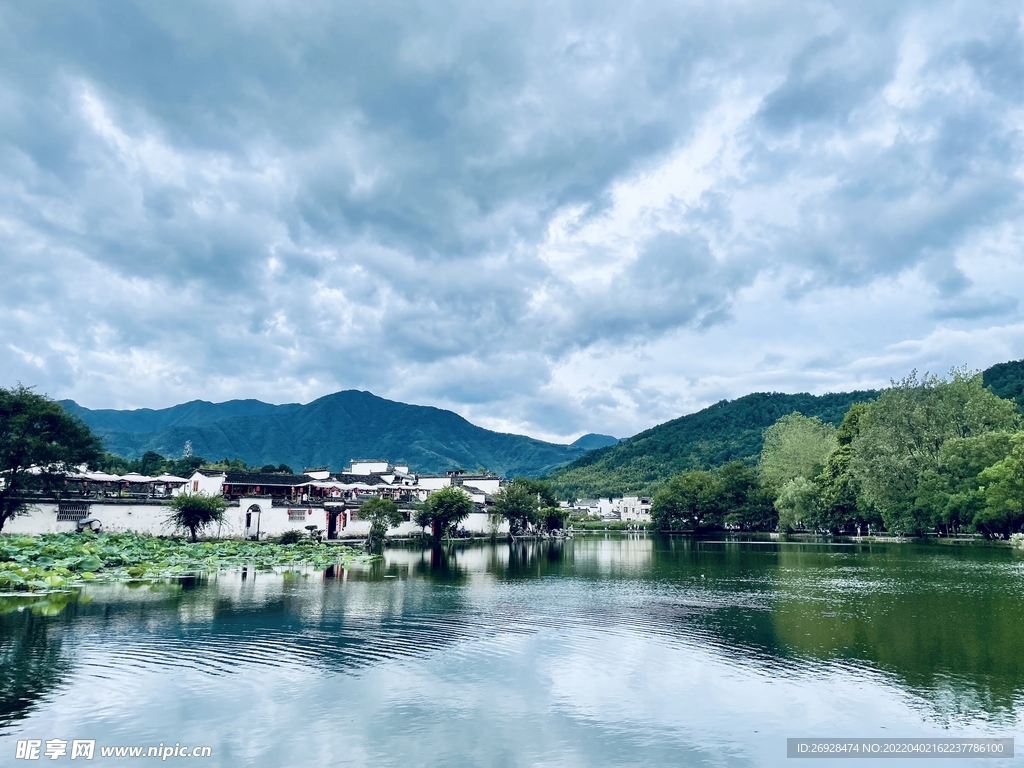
{"x": 555, "y": 218}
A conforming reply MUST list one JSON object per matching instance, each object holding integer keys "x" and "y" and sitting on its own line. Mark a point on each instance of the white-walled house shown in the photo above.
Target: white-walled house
{"x": 636, "y": 508}
{"x": 367, "y": 467}
{"x": 209, "y": 482}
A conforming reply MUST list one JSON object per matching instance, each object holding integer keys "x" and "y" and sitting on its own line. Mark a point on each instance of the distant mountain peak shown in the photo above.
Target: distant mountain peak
{"x": 592, "y": 441}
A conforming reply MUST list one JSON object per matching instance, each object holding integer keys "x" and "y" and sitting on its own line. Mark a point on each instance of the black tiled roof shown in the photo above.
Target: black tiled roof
{"x": 344, "y": 477}
{"x": 265, "y": 479}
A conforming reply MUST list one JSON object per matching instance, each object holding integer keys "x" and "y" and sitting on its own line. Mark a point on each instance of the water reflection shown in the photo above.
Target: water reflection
{"x": 939, "y": 625}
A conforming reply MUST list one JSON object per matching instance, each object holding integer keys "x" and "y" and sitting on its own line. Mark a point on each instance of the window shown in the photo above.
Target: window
{"x": 71, "y": 512}
{"x": 296, "y": 515}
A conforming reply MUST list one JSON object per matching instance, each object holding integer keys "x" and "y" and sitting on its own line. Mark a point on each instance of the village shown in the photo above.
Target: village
{"x": 264, "y": 505}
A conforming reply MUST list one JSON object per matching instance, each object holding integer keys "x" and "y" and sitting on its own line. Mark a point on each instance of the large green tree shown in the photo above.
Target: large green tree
{"x": 745, "y": 501}
{"x": 795, "y": 446}
{"x": 951, "y": 495}
{"x": 1003, "y": 492}
{"x": 383, "y": 515}
{"x": 902, "y": 435}
{"x": 691, "y": 501}
{"x": 39, "y": 445}
{"x": 443, "y": 510}
{"x": 519, "y": 504}
{"x": 837, "y": 507}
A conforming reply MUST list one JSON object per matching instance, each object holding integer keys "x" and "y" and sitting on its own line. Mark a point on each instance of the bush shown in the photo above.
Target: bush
{"x": 290, "y": 537}
{"x": 196, "y": 511}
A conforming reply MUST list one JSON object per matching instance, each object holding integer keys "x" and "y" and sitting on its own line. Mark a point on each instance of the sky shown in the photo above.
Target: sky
{"x": 552, "y": 218}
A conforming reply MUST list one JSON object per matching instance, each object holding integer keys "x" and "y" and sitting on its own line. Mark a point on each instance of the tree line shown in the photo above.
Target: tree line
{"x": 929, "y": 455}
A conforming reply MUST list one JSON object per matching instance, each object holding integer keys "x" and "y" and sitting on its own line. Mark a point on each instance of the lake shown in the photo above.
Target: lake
{"x": 603, "y": 650}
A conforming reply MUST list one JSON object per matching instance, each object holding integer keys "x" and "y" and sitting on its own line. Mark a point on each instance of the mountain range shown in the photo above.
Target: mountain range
{"x": 727, "y": 431}
{"x": 330, "y": 431}
{"x": 350, "y": 425}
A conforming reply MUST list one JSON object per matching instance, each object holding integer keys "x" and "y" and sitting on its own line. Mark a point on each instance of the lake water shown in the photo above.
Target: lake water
{"x": 591, "y": 652}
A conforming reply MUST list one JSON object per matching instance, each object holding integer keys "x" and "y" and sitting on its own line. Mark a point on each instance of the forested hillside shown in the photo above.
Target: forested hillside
{"x": 1007, "y": 380}
{"x": 330, "y": 431}
{"x": 724, "y": 432}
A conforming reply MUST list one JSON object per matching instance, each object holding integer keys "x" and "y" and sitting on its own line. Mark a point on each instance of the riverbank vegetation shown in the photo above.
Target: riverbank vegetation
{"x": 59, "y": 560}
{"x": 39, "y": 445}
{"x": 929, "y": 455}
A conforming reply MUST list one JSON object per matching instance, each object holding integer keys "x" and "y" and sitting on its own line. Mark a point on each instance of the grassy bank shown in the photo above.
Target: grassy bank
{"x": 609, "y": 525}
{"x": 55, "y": 561}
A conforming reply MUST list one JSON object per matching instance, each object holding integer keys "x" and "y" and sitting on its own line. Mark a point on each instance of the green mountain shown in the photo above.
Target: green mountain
{"x": 723, "y": 432}
{"x": 593, "y": 441}
{"x": 330, "y": 431}
{"x": 1007, "y": 380}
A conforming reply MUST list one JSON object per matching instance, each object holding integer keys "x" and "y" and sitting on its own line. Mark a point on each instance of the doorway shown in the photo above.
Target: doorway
{"x": 252, "y": 522}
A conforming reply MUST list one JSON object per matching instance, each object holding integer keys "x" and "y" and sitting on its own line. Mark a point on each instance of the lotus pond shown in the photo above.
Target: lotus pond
{"x": 61, "y": 560}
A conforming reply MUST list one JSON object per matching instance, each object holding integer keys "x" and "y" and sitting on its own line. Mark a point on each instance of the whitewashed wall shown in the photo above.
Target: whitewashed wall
{"x": 151, "y": 519}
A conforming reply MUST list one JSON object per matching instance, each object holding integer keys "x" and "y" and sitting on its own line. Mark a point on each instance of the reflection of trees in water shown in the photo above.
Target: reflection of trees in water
{"x": 440, "y": 564}
{"x": 33, "y": 662}
{"x": 946, "y": 624}
{"x": 529, "y": 558}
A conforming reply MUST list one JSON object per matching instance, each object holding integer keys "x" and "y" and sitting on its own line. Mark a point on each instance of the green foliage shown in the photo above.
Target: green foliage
{"x": 444, "y": 510}
{"x": 690, "y": 501}
{"x": 796, "y": 503}
{"x": 554, "y": 518}
{"x": 293, "y": 536}
{"x": 383, "y": 515}
{"x": 952, "y": 494}
{"x": 517, "y": 503}
{"x": 898, "y": 452}
{"x": 151, "y": 464}
{"x": 196, "y": 511}
{"x": 280, "y": 469}
{"x": 39, "y": 444}
{"x": 746, "y": 503}
{"x": 540, "y": 489}
{"x": 700, "y": 500}
{"x": 56, "y": 561}
{"x": 731, "y": 430}
{"x": 837, "y": 508}
{"x": 1007, "y": 381}
{"x": 795, "y": 446}
{"x": 1003, "y": 492}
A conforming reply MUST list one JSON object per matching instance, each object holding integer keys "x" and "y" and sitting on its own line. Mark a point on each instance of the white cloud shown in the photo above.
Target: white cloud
{"x": 552, "y": 221}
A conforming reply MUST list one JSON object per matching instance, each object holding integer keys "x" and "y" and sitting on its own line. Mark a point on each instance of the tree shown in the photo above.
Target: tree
{"x": 746, "y": 503}
{"x": 383, "y": 515}
{"x": 796, "y": 503}
{"x": 540, "y": 489}
{"x": 39, "y": 445}
{"x": 518, "y": 503}
{"x": 554, "y": 518}
{"x": 151, "y": 463}
{"x": 443, "y": 510}
{"x": 795, "y": 446}
{"x": 196, "y": 511}
{"x": 689, "y": 501}
{"x": 902, "y": 435}
{"x": 1003, "y": 492}
{"x": 837, "y": 506}
{"x": 952, "y": 494}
